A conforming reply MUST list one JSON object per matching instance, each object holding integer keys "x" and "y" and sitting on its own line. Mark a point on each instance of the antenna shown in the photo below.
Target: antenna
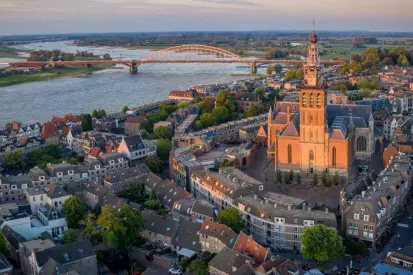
{"x": 313, "y": 24}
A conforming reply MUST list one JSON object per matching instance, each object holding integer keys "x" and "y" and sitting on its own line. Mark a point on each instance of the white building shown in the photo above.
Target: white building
{"x": 134, "y": 148}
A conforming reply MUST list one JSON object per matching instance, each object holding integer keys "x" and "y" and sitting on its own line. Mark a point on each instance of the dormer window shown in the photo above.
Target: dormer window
{"x": 59, "y": 174}
{"x": 97, "y": 167}
{"x": 70, "y": 172}
{"x": 120, "y": 160}
{"x": 13, "y": 187}
{"x": 24, "y": 186}
{"x": 111, "y": 162}
{"x": 42, "y": 178}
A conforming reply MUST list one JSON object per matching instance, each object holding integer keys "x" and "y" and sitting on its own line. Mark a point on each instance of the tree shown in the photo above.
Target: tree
{"x": 101, "y": 113}
{"x": 326, "y": 179}
{"x": 69, "y": 236}
{"x": 163, "y": 132}
{"x": 221, "y": 114}
{"x": 3, "y": 246}
{"x": 402, "y": 61}
{"x": 253, "y": 110}
{"x": 315, "y": 178}
{"x": 208, "y": 119}
{"x": 106, "y": 56}
{"x": 353, "y": 247}
{"x": 298, "y": 178}
{"x": 278, "y": 176}
{"x": 291, "y": 175}
{"x": 207, "y": 105}
{"x": 146, "y": 125}
{"x": 286, "y": 178}
{"x": 278, "y": 68}
{"x": 260, "y": 92}
{"x": 74, "y": 211}
{"x": 231, "y": 218}
{"x": 125, "y": 109}
{"x": 336, "y": 179}
{"x": 95, "y": 113}
{"x": 91, "y": 229}
{"x": 120, "y": 227}
{"x": 163, "y": 147}
{"x": 154, "y": 163}
{"x": 224, "y": 99}
{"x": 294, "y": 75}
{"x": 341, "y": 87}
{"x": 13, "y": 160}
{"x": 321, "y": 243}
{"x": 86, "y": 123}
{"x": 198, "y": 267}
{"x": 387, "y": 61}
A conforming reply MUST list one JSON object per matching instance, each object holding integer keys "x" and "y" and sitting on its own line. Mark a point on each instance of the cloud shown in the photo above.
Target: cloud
{"x": 230, "y": 2}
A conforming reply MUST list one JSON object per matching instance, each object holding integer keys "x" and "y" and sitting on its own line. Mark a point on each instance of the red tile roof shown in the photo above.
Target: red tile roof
{"x": 49, "y": 130}
{"x": 95, "y": 152}
{"x": 245, "y": 244}
{"x": 137, "y": 119}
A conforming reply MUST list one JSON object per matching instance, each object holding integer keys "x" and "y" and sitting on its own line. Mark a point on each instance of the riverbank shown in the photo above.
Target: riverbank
{"x": 48, "y": 74}
{"x": 8, "y": 52}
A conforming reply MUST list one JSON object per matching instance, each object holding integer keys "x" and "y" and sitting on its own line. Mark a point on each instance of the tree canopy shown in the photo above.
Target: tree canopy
{"x": 231, "y": 218}
{"x": 253, "y": 110}
{"x": 120, "y": 228}
{"x": 69, "y": 236}
{"x": 13, "y": 160}
{"x": 163, "y": 132}
{"x": 207, "y": 105}
{"x": 321, "y": 243}
{"x": 86, "y": 122}
{"x": 74, "y": 210}
{"x": 224, "y": 99}
{"x": 163, "y": 147}
{"x": 294, "y": 75}
{"x": 154, "y": 163}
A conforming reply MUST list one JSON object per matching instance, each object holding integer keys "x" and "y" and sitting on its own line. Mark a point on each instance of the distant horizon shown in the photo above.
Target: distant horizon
{"x": 298, "y": 31}
{"x": 25, "y": 17}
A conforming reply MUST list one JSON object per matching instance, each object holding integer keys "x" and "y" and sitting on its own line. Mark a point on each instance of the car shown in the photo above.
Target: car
{"x": 175, "y": 271}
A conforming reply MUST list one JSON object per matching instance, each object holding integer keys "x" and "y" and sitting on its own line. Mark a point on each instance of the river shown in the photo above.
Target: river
{"x": 109, "y": 89}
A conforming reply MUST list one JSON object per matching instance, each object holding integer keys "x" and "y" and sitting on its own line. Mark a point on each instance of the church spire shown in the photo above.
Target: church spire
{"x": 312, "y": 69}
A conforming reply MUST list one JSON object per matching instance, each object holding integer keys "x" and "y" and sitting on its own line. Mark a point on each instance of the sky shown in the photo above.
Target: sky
{"x": 83, "y": 16}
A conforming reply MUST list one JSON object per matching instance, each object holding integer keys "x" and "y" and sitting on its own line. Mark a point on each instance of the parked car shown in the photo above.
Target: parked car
{"x": 175, "y": 271}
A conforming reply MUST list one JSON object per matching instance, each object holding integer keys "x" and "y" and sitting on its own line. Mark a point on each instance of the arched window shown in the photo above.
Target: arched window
{"x": 290, "y": 153}
{"x": 311, "y": 100}
{"x": 361, "y": 144}
{"x": 304, "y": 99}
{"x": 311, "y": 156}
{"x": 318, "y": 100}
{"x": 334, "y": 157}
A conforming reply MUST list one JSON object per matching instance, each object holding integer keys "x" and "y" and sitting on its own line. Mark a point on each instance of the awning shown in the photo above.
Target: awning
{"x": 186, "y": 252}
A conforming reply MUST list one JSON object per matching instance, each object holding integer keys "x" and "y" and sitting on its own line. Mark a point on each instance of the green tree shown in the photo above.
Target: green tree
{"x": 270, "y": 69}
{"x": 278, "y": 176}
{"x": 260, "y": 92}
{"x": 146, "y": 125}
{"x": 13, "y": 160}
{"x": 294, "y": 75}
{"x": 336, "y": 179}
{"x": 86, "y": 122}
{"x": 125, "y": 109}
{"x": 298, "y": 178}
{"x": 253, "y": 110}
{"x": 278, "y": 68}
{"x": 198, "y": 125}
{"x": 354, "y": 247}
{"x": 291, "y": 175}
{"x": 163, "y": 147}
{"x": 387, "y": 61}
{"x": 231, "y": 218}
{"x": 154, "y": 163}
{"x": 101, "y": 113}
{"x": 91, "y": 230}
{"x": 198, "y": 267}
{"x": 326, "y": 179}
{"x": 207, "y": 105}
{"x": 106, "y": 56}
{"x": 221, "y": 114}
{"x": 163, "y": 132}
{"x": 286, "y": 178}
{"x": 182, "y": 105}
{"x": 3, "y": 246}
{"x": 341, "y": 87}
{"x": 74, "y": 211}
{"x": 95, "y": 113}
{"x": 224, "y": 99}
{"x": 315, "y": 178}
{"x": 402, "y": 61}
{"x": 208, "y": 119}
{"x": 69, "y": 236}
{"x": 120, "y": 227}
{"x": 321, "y": 243}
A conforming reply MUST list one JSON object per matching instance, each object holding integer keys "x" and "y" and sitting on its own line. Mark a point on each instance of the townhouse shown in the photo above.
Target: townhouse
{"x": 12, "y": 188}
{"x": 104, "y": 164}
{"x": 369, "y": 214}
{"x": 214, "y": 237}
{"x": 135, "y": 148}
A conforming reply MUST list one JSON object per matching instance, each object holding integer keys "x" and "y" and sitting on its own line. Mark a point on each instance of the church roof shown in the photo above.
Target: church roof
{"x": 282, "y": 106}
{"x": 344, "y": 110}
{"x": 280, "y": 118}
{"x": 338, "y": 129}
{"x": 293, "y": 128}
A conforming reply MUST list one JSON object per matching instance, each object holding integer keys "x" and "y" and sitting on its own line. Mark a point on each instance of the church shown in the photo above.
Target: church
{"x": 310, "y": 135}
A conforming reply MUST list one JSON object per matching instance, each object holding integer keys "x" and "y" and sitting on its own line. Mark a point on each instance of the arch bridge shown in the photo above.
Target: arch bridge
{"x": 158, "y": 57}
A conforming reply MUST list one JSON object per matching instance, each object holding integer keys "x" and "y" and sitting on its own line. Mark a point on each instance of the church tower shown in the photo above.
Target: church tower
{"x": 313, "y": 137}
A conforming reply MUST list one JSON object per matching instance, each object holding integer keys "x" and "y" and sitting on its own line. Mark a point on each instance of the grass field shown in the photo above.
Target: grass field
{"x": 6, "y": 52}
{"x": 47, "y": 75}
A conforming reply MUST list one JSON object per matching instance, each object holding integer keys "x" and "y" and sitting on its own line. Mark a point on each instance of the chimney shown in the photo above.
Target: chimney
{"x": 288, "y": 115}
{"x": 326, "y": 210}
{"x": 309, "y": 209}
{"x": 363, "y": 194}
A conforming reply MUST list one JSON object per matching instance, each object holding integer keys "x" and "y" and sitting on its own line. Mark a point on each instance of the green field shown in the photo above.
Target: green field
{"x": 6, "y": 52}
{"x": 48, "y": 74}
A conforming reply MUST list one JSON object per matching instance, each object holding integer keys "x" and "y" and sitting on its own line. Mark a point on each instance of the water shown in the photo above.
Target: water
{"x": 109, "y": 89}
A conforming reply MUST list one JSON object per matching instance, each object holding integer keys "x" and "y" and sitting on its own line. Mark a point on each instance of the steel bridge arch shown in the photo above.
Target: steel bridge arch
{"x": 195, "y": 48}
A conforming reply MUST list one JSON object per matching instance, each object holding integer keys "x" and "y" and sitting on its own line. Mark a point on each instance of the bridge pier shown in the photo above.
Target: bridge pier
{"x": 87, "y": 66}
{"x": 254, "y": 68}
{"x": 133, "y": 68}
